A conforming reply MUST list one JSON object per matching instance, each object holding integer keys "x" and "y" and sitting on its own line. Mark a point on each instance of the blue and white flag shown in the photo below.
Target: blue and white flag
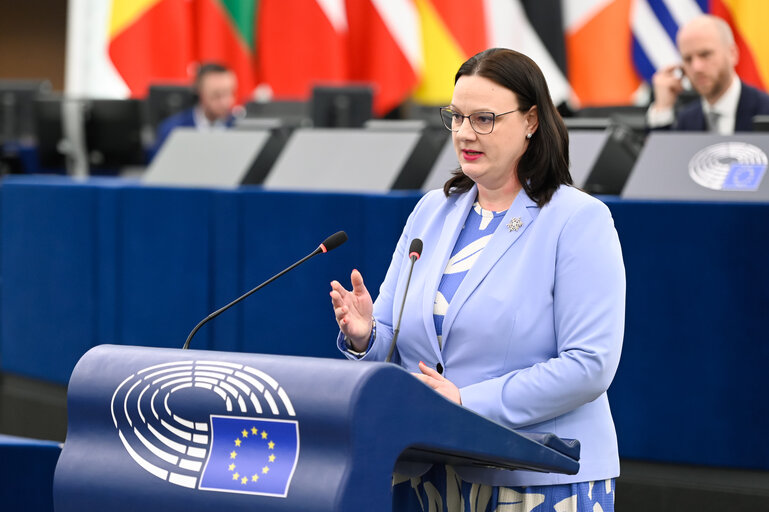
{"x": 655, "y": 24}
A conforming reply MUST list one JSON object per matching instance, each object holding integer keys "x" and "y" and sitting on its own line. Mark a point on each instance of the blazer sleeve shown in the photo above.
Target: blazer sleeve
{"x": 383, "y": 306}
{"x": 588, "y": 312}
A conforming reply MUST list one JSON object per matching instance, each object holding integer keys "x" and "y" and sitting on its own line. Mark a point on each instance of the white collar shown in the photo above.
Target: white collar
{"x": 203, "y": 123}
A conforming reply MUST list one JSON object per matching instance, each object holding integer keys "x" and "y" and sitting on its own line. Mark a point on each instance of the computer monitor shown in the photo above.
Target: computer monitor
{"x": 761, "y": 123}
{"x": 163, "y": 101}
{"x": 341, "y": 107}
{"x": 51, "y": 147}
{"x": 17, "y": 104}
{"x": 615, "y": 161}
{"x": 113, "y": 133}
{"x": 427, "y": 113}
{"x": 291, "y": 113}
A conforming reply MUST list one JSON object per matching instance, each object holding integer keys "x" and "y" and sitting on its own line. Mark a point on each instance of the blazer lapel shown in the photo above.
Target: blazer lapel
{"x": 743, "y": 121}
{"x": 452, "y": 225}
{"x": 521, "y": 213}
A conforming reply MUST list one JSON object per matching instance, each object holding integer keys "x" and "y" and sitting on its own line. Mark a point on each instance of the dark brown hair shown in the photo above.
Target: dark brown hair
{"x": 544, "y": 166}
{"x": 208, "y": 68}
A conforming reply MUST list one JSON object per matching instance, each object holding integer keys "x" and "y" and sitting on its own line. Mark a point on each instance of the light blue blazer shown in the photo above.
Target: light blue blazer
{"x": 533, "y": 335}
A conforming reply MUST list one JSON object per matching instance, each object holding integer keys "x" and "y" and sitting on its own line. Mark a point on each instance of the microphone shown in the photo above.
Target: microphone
{"x": 328, "y": 244}
{"x": 415, "y": 251}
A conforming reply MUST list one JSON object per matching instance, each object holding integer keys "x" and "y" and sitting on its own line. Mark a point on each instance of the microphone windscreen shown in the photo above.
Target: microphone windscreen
{"x": 415, "y": 247}
{"x": 334, "y": 241}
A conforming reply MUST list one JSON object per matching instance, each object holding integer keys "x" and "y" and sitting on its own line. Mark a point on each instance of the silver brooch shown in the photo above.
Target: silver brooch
{"x": 515, "y": 224}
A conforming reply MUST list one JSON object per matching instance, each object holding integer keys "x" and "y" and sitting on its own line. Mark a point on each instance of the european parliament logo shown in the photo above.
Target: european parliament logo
{"x": 209, "y": 425}
{"x": 733, "y": 166}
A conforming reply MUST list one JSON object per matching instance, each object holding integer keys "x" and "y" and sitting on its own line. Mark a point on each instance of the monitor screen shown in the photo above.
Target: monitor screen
{"x": 292, "y": 113}
{"x": 49, "y": 133}
{"x": 341, "y": 107}
{"x": 113, "y": 133}
{"x": 17, "y": 104}
{"x": 761, "y": 123}
{"x": 163, "y": 101}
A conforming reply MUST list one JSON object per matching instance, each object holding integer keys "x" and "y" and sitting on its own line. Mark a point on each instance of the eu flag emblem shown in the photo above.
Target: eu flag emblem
{"x": 251, "y": 456}
{"x": 744, "y": 177}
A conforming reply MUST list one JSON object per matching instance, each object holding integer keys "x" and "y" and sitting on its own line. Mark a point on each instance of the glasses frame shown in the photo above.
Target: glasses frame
{"x": 469, "y": 117}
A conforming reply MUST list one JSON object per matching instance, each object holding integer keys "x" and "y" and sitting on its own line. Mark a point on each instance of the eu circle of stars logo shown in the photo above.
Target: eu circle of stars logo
{"x": 244, "y": 436}
{"x": 251, "y": 455}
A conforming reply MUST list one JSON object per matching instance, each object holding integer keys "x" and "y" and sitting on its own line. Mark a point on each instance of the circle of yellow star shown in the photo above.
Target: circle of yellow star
{"x": 236, "y": 476}
{"x": 264, "y": 434}
{"x": 254, "y": 430}
{"x": 245, "y": 433}
{"x": 233, "y": 454}
{"x": 237, "y": 442}
{"x": 231, "y": 467}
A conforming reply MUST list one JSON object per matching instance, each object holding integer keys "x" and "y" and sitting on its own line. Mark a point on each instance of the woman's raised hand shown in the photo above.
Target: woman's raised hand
{"x": 353, "y": 311}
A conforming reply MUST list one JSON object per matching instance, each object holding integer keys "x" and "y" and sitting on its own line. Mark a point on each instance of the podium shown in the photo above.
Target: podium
{"x": 185, "y": 430}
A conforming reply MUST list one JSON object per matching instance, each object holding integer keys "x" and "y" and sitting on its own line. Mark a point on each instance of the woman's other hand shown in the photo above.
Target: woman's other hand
{"x": 439, "y": 383}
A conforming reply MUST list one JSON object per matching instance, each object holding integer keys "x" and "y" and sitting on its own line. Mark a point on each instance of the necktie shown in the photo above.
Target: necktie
{"x": 713, "y": 118}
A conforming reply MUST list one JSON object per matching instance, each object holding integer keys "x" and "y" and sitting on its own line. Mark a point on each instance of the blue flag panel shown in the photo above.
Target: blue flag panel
{"x": 250, "y": 455}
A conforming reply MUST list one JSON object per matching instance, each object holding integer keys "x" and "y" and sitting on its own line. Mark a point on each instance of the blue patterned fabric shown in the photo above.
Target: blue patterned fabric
{"x": 476, "y": 233}
{"x": 441, "y": 489}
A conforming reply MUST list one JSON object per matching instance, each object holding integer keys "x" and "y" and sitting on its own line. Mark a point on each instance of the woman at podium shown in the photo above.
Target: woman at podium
{"x": 516, "y": 308}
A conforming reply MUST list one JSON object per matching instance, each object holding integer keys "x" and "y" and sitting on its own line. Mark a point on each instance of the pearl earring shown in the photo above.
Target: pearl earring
{"x": 528, "y": 136}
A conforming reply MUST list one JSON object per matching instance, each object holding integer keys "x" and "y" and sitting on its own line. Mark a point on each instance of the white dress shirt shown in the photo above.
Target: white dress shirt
{"x": 725, "y": 107}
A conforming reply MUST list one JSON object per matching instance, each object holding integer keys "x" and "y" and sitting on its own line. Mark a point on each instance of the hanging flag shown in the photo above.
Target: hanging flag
{"x": 599, "y": 52}
{"x": 546, "y": 17}
{"x": 656, "y": 22}
{"x": 748, "y": 22}
{"x": 151, "y": 40}
{"x": 449, "y": 37}
{"x": 224, "y": 31}
{"x": 154, "y": 41}
{"x": 301, "y": 43}
{"x": 509, "y": 27}
{"x": 385, "y": 49}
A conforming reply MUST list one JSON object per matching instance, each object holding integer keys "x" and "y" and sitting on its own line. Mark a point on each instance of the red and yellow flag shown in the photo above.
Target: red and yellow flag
{"x": 748, "y": 21}
{"x": 449, "y": 37}
{"x": 162, "y": 41}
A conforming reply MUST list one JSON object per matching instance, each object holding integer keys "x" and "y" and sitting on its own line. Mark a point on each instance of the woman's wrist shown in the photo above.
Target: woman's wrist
{"x": 361, "y": 345}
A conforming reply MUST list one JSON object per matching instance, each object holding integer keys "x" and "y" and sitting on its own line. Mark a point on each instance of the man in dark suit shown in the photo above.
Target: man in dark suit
{"x": 215, "y": 86}
{"x": 709, "y": 56}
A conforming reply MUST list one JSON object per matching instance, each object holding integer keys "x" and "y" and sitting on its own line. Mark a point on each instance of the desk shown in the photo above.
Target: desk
{"x": 26, "y": 473}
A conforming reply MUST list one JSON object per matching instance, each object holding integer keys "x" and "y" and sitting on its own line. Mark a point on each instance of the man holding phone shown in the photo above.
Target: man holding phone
{"x": 709, "y": 56}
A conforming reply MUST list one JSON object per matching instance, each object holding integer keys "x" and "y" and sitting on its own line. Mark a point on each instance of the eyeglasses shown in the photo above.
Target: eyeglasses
{"x": 481, "y": 122}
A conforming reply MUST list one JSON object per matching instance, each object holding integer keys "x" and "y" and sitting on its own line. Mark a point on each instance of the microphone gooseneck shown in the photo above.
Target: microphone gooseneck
{"x": 415, "y": 251}
{"x": 328, "y": 244}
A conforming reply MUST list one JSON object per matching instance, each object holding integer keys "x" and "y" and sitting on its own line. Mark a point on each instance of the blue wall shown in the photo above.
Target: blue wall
{"x": 106, "y": 261}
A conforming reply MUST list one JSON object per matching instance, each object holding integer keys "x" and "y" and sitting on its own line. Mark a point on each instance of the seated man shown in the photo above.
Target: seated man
{"x": 215, "y": 87}
{"x": 709, "y": 56}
